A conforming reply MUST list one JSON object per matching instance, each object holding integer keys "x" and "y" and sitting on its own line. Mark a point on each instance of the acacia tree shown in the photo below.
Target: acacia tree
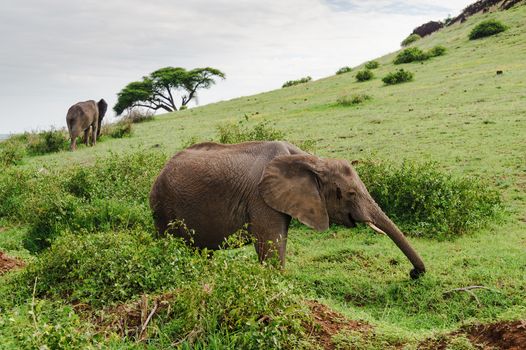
{"x": 161, "y": 88}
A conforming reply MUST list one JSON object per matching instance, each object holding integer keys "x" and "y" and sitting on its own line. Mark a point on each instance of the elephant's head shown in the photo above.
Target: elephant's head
{"x": 321, "y": 191}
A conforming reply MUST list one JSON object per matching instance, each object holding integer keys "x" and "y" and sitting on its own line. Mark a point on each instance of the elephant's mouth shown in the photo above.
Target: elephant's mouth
{"x": 350, "y": 221}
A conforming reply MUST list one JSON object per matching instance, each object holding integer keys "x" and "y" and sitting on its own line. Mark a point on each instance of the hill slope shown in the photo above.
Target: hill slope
{"x": 457, "y": 112}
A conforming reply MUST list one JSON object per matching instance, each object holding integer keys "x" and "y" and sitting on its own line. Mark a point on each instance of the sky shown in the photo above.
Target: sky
{"x": 55, "y": 53}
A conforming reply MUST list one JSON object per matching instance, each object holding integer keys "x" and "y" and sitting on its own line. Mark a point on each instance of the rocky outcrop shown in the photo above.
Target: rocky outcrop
{"x": 483, "y": 6}
{"x": 428, "y": 28}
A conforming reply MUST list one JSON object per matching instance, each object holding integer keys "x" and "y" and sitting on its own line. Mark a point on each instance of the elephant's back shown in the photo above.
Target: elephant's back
{"x": 81, "y": 110}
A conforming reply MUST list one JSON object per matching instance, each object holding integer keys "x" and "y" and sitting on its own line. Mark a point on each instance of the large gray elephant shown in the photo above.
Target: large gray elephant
{"x": 85, "y": 115}
{"x": 216, "y": 189}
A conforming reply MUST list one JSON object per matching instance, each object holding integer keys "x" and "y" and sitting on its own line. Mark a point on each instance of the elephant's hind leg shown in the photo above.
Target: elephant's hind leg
{"x": 86, "y": 136}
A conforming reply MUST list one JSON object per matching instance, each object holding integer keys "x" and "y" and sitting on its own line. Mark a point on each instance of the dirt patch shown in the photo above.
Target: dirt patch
{"x": 495, "y": 336}
{"x": 500, "y": 335}
{"x": 8, "y": 263}
{"x": 327, "y": 323}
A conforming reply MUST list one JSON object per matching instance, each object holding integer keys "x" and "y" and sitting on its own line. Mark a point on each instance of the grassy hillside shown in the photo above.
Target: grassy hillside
{"x": 457, "y": 112}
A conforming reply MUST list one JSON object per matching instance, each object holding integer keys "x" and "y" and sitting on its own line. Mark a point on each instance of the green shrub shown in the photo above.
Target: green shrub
{"x": 229, "y": 299}
{"x": 487, "y": 28}
{"x": 296, "y": 82}
{"x": 343, "y": 70}
{"x": 118, "y": 130}
{"x": 110, "y": 194}
{"x": 410, "y": 39}
{"x": 12, "y": 152}
{"x": 364, "y": 75}
{"x": 139, "y": 116}
{"x": 352, "y": 99}
{"x": 400, "y": 76}
{"x": 238, "y": 132}
{"x": 425, "y": 201}
{"x": 372, "y": 65}
{"x": 411, "y": 54}
{"x": 438, "y": 50}
{"x": 49, "y": 141}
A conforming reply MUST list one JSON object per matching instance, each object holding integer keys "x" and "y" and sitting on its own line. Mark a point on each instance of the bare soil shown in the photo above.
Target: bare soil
{"x": 505, "y": 335}
{"x": 327, "y": 323}
{"x": 8, "y": 263}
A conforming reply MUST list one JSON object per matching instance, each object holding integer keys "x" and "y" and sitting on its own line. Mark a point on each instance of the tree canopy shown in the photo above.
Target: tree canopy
{"x": 161, "y": 88}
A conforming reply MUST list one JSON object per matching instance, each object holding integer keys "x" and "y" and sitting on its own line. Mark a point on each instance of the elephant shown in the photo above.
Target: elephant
{"x": 217, "y": 189}
{"x": 83, "y": 115}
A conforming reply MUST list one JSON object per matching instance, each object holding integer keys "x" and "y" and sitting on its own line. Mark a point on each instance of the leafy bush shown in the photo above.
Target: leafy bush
{"x": 372, "y": 65}
{"x": 411, "y": 54}
{"x": 12, "y": 152}
{"x": 352, "y": 100}
{"x": 111, "y": 194}
{"x": 229, "y": 299}
{"x": 438, "y": 50}
{"x": 343, "y": 70}
{"x": 410, "y": 39}
{"x": 49, "y": 141}
{"x": 400, "y": 76}
{"x": 425, "y": 201}
{"x": 118, "y": 130}
{"x": 364, "y": 75}
{"x": 139, "y": 116}
{"x": 238, "y": 132}
{"x": 296, "y": 82}
{"x": 487, "y": 28}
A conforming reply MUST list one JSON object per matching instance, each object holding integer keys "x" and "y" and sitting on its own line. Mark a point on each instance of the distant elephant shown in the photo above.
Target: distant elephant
{"x": 215, "y": 189}
{"x": 83, "y": 115}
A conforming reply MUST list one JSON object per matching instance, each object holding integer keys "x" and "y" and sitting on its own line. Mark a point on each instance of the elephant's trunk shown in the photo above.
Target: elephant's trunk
{"x": 382, "y": 224}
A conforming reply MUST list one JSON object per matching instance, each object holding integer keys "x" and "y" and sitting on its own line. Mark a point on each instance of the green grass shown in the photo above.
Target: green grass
{"x": 457, "y": 113}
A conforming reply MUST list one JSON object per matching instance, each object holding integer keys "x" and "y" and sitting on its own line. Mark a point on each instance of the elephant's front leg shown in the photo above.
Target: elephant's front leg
{"x": 94, "y": 134}
{"x": 270, "y": 229}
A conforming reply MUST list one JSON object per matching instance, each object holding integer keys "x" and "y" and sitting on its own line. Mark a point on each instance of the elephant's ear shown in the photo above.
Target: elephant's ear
{"x": 290, "y": 184}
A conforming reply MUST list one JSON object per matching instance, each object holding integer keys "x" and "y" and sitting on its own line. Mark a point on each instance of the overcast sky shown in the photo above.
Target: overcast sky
{"x": 58, "y": 52}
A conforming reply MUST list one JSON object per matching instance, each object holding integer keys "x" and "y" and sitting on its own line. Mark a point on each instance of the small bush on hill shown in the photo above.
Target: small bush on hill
{"x": 364, "y": 75}
{"x": 372, "y": 65}
{"x": 238, "y": 132}
{"x": 343, "y": 70}
{"x": 438, "y": 50}
{"x": 411, "y": 54}
{"x": 139, "y": 115}
{"x": 118, "y": 130}
{"x": 352, "y": 99}
{"x": 12, "y": 151}
{"x": 400, "y": 76}
{"x": 296, "y": 82}
{"x": 425, "y": 201}
{"x": 49, "y": 141}
{"x": 487, "y": 28}
{"x": 410, "y": 39}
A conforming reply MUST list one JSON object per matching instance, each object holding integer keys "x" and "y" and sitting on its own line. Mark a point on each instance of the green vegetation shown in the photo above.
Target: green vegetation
{"x": 486, "y": 28}
{"x": 351, "y": 100}
{"x": 364, "y": 75}
{"x": 372, "y": 65}
{"x": 343, "y": 70}
{"x": 427, "y": 202}
{"x": 411, "y": 38}
{"x": 12, "y": 151}
{"x": 398, "y": 77}
{"x": 438, "y": 50}
{"x": 290, "y": 83}
{"x": 157, "y": 90}
{"x": 412, "y": 54}
{"x": 120, "y": 129}
{"x": 239, "y": 132}
{"x": 439, "y": 154}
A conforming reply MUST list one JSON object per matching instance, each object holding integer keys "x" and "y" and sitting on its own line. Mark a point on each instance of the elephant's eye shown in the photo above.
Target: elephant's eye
{"x": 352, "y": 193}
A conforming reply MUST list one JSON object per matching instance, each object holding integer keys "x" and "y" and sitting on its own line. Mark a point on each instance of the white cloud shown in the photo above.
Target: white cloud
{"x": 57, "y": 52}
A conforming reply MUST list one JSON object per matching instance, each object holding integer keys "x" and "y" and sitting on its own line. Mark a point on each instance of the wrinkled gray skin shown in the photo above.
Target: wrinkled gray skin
{"x": 215, "y": 189}
{"x": 81, "y": 117}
